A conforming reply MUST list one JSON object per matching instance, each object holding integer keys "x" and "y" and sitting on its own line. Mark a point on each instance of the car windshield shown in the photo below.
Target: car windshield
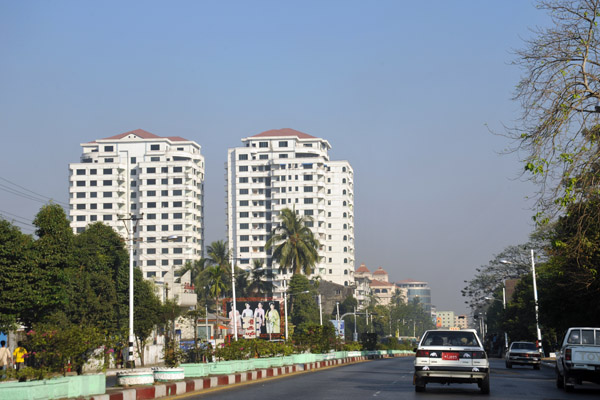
{"x": 454, "y": 338}
{"x": 524, "y": 346}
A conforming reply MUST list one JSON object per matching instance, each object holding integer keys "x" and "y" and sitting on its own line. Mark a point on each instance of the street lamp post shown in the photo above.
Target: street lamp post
{"x": 234, "y": 305}
{"x": 535, "y": 299}
{"x": 320, "y": 311}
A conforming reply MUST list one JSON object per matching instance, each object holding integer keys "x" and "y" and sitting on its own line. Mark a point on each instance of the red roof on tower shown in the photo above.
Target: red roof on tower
{"x": 284, "y": 132}
{"x": 363, "y": 268}
{"x": 145, "y": 135}
{"x": 380, "y": 271}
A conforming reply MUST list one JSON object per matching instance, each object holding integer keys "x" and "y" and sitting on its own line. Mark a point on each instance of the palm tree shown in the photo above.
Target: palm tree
{"x": 258, "y": 283}
{"x": 295, "y": 245}
{"x": 218, "y": 254}
{"x": 217, "y": 279}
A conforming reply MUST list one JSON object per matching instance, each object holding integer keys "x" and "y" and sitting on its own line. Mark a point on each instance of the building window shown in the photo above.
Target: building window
{"x": 243, "y": 191}
{"x": 93, "y": 218}
{"x": 151, "y": 205}
{"x": 151, "y": 170}
{"x": 107, "y": 217}
{"x": 177, "y": 250}
{"x": 308, "y": 212}
{"x": 93, "y": 206}
{"x": 178, "y": 216}
{"x": 308, "y": 189}
{"x": 177, "y": 192}
{"x": 177, "y": 204}
{"x": 108, "y": 160}
{"x": 151, "y": 228}
{"x": 244, "y": 238}
{"x": 244, "y": 214}
{"x": 243, "y": 168}
{"x": 164, "y": 170}
{"x": 283, "y": 144}
{"x": 150, "y": 216}
{"x": 164, "y": 216}
{"x": 107, "y": 206}
{"x": 243, "y": 203}
{"x": 108, "y": 148}
{"x": 151, "y": 251}
{"x": 243, "y": 180}
{"x": 80, "y": 183}
{"x": 178, "y": 227}
{"x": 164, "y": 204}
{"x": 81, "y": 206}
{"x": 308, "y": 200}
{"x": 283, "y": 156}
{"x": 154, "y": 147}
{"x": 263, "y": 157}
{"x": 263, "y": 144}
{"x": 244, "y": 249}
{"x": 81, "y": 195}
{"x": 177, "y": 181}
{"x": 150, "y": 181}
{"x": 107, "y": 182}
{"x": 244, "y": 226}
{"x": 81, "y": 172}
{"x": 177, "y": 169}
{"x": 243, "y": 157}
{"x": 107, "y": 194}
{"x": 178, "y": 262}
{"x": 151, "y": 263}
{"x": 164, "y": 228}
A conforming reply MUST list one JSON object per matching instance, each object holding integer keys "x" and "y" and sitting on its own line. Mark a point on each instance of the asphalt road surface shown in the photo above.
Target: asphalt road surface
{"x": 392, "y": 379}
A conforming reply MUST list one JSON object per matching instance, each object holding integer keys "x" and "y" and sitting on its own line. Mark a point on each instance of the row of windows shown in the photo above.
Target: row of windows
{"x": 151, "y": 193}
{"x": 152, "y": 228}
{"x": 93, "y": 218}
{"x": 164, "y": 204}
{"x": 152, "y": 263}
{"x": 105, "y": 171}
{"x": 164, "y": 216}
{"x": 152, "y": 170}
{"x": 164, "y": 250}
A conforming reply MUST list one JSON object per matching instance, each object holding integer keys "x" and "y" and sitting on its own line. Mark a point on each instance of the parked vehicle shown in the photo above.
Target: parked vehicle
{"x": 450, "y": 356}
{"x": 523, "y": 353}
{"x": 578, "y": 359}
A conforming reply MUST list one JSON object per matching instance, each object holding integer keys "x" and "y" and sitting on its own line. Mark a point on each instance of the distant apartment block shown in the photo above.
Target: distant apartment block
{"x": 417, "y": 290}
{"x": 156, "y": 180}
{"x": 286, "y": 168}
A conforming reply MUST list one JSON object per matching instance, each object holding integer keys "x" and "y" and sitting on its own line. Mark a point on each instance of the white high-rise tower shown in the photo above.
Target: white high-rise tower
{"x": 158, "y": 181}
{"x": 285, "y": 168}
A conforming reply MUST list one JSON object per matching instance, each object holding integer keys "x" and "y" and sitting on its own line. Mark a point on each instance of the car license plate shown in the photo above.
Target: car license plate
{"x": 450, "y": 356}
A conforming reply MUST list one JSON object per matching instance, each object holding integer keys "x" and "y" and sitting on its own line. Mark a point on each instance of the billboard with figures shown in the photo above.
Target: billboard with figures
{"x": 255, "y": 318}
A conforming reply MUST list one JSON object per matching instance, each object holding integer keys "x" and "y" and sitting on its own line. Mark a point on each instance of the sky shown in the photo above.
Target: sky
{"x": 410, "y": 93}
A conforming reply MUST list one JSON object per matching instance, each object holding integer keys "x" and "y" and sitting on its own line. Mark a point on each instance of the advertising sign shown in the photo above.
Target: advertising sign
{"x": 339, "y": 330}
{"x": 255, "y": 319}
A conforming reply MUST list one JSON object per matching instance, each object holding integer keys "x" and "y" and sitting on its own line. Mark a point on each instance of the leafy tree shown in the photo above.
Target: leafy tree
{"x": 99, "y": 280}
{"x": 147, "y": 311}
{"x": 302, "y": 306}
{"x": 17, "y": 266}
{"x": 559, "y": 93}
{"x": 53, "y": 249}
{"x": 294, "y": 244}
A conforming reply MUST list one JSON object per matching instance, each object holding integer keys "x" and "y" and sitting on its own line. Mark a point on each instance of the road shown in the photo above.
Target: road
{"x": 392, "y": 379}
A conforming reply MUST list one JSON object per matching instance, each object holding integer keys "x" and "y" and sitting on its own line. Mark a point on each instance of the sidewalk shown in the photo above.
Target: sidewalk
{"x": 198, "y": 384}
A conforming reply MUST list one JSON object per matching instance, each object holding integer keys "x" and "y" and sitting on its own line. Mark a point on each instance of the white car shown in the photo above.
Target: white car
{"x": 450, "y": 356}
{"x": 523, "y": 353}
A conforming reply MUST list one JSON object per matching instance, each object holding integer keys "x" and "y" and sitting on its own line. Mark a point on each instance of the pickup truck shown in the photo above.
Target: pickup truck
{"x": 578, "y": 359}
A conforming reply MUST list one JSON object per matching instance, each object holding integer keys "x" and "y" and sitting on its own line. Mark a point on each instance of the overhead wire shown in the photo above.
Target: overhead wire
{"x": 31, "y": 195}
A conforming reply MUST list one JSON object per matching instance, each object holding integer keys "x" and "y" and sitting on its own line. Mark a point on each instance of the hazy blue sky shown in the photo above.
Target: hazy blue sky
{"x": 402, "y": 89}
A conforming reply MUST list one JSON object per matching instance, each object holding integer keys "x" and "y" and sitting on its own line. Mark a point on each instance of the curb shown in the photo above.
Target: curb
{"x": 195, "y": 385}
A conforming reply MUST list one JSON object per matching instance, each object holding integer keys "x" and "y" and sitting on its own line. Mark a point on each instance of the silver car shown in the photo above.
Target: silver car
{"x": 450, "y": 356}
{"x": 523, "y": 353}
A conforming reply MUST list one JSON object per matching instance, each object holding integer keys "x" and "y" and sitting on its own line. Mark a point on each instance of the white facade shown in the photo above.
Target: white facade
{"x": 159, "y": 181}
{"x": 289, "y": 169}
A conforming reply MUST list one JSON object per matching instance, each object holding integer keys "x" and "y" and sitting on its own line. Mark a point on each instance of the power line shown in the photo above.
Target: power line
{"x": 15, "y": 215}
{"x": 26, "y": 195}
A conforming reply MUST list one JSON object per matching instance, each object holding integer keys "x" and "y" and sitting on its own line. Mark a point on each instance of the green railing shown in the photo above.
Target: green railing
{"x": 55, "y": 388}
